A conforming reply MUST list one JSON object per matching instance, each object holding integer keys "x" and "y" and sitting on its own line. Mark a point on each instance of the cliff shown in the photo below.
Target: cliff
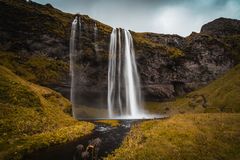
{"x": 169, "y": 65}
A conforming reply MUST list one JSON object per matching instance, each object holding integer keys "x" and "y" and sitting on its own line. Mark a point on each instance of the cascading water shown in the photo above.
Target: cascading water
{"x": 124, "y": 90}
{"x": 74, "y": 54}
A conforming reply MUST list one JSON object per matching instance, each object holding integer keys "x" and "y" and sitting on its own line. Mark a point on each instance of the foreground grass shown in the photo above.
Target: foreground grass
{"x": 113, "y": 123}
{"x": 208, "y": 136}
{"x": 199, "y": 134}
{"x": 222, "y": 95}
{"x": 33, "y": 117}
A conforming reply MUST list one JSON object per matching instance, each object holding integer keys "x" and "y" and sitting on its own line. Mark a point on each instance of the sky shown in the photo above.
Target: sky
{"x": 159, "y": 16}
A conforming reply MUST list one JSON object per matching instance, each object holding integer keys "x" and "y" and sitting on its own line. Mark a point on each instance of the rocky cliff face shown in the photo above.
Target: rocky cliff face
{"x": 169, "y": 65}
{"x": 182, "y": 65}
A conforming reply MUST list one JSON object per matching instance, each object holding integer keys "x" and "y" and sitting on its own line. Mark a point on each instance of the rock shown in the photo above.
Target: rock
{"x": 169, "y": 65}
{"x": 222, "y": 27}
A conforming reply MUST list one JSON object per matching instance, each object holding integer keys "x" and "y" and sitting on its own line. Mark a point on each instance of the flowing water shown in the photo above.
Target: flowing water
{"x": 124, "y": 98}
{"x": 74, "y": 54}
{"x": 124, "y": 90}
{"x": 124, "y": 95}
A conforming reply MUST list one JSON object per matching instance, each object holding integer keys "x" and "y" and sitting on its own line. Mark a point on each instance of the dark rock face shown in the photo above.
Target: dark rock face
{"x": 204, "y": 60}
{"x": 30, "y": 27}
{"x": 222, "y": 27}
{"x": 169, "y": 65}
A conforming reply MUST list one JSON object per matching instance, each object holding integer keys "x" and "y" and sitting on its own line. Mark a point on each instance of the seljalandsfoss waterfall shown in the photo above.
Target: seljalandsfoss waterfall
{"x": 124, "y": 92}
{"x": 123, "y": 98}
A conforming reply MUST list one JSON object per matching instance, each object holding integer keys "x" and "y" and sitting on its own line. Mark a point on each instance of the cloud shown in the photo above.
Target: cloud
{"x": 187, "y": 17}
{"x": 161, "y": 16}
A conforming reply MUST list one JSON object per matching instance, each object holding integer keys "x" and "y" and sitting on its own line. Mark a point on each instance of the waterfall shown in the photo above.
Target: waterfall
{"x": 111, "y": 73}
{"x": 74, "y": 53}
{"x": 124, "y": 90}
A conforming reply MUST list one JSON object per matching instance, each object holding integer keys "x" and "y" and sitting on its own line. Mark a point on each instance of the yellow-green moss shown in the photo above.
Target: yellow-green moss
{"x": 14, "y": 93}
{"x": 141, "y": 41}
{"x": 189, "y": 136}
{"x": 113, "y": 123}
{"x": 32, "y": 117}
{"x": 29, "y": 144}
{"x": 36, "y": 68}
{"x": 174, "y": 52}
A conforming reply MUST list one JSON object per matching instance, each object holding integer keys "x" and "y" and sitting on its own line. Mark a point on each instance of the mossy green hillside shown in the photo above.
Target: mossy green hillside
{"x": 37, "y": 68}
{"x": 222, "y": 95}
{"x": 33, "y": 117}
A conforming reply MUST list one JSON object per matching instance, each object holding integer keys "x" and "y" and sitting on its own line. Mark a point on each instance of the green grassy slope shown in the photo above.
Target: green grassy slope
{"x": 222, "y": 95}
{"x": 208, "y": 136}
{"x": 38, "y": 68}
{"x": 33, "y": 117}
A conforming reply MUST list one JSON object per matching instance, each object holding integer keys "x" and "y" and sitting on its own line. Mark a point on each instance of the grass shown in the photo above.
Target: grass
{"x": 205, "y": 132}
{"x": 32, "y": 117}
{"x": 37, "y": 68}
{"x": 113, "y": 123}
{"x": 206, "y": 136}
{"x": 222, "y": 95}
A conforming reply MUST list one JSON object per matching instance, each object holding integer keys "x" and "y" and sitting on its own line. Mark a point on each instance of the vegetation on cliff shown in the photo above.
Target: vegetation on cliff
{"x": 144, "y": 44}
{"x": 29, "y": 27}
{"x": 33, "y": 117}
{"x": 37, "y": 68}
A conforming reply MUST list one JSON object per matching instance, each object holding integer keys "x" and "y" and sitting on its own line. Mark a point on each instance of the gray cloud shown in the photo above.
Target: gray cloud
{"x": 160, "y": 16}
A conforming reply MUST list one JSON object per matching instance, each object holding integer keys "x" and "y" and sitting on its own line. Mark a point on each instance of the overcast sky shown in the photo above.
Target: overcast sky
{"x": 160, "y": 16}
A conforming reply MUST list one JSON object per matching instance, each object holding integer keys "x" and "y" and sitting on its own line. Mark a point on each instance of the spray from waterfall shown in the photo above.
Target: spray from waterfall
{"x": 124, "y": 90}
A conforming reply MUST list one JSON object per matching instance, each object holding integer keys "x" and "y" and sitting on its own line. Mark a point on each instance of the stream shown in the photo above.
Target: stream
{"x": 111, "y": 137}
